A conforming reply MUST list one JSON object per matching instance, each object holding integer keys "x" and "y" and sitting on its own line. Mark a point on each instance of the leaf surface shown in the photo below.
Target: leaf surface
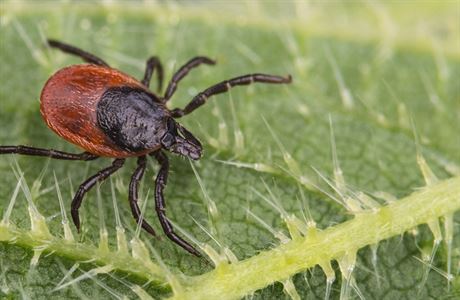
{"x": 383, "y": 80}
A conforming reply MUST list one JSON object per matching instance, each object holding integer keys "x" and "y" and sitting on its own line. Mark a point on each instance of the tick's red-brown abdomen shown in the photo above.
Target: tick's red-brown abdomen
{"x": 68, "y": 105}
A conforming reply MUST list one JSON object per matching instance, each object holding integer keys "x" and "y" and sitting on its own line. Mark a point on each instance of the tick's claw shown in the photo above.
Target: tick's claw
{"x": 148, "y": 228}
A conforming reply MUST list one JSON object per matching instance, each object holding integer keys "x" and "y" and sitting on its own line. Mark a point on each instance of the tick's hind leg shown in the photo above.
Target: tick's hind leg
{"x": 224, "y": 86}
{"x": 160, "y": 205}
{"x": 26, "y": 150}
{"x": 88, "y": 184}
{"x": 88, "y": 57}
{"x": 153, "y": 63}
{"x": 133, "y": 194}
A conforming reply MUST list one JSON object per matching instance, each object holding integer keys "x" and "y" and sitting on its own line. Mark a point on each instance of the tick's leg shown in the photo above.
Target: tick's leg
{"x": 183, "y": 71}
{"x": 224, "y": 86}
{"x": 160, "y": 204}
{"x": 152, "y": 64}
{"x": 88, "y": 184}
{"x": 88, "y": 57}
{"x": 133, "y": 185}
{"x": 25, "y": 150}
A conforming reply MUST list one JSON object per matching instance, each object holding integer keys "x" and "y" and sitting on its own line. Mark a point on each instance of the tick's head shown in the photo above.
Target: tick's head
{"x": 179, "y": 140}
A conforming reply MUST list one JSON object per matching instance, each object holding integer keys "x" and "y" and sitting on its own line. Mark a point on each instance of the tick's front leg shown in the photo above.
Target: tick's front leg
{"x": 160, "y": 204}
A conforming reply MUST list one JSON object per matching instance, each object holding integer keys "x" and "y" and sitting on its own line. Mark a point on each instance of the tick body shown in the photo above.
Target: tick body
{"x": 103, "y": 111}
{"x": 111, "y": 114}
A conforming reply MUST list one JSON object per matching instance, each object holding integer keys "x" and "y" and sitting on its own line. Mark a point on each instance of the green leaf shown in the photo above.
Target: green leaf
{"x": 350, "y": 171}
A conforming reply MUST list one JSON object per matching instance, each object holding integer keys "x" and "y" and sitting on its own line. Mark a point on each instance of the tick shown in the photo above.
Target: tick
{"x": 111, "y": 114}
